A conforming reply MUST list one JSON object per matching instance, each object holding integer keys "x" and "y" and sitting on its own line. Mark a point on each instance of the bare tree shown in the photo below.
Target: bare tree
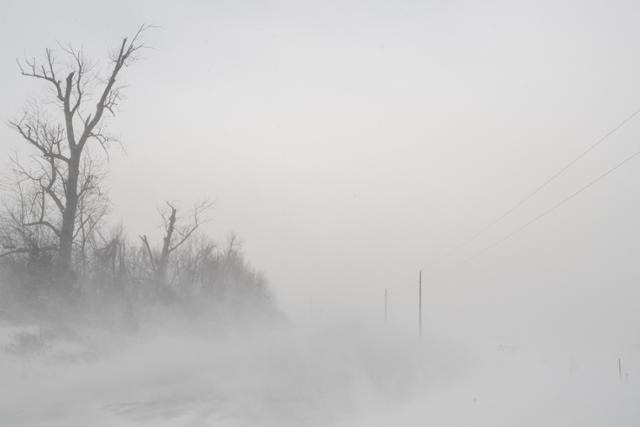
{"x": 22, "y": 208}
{"x": 62, "y": 146}
{"x": 176, "y": 234}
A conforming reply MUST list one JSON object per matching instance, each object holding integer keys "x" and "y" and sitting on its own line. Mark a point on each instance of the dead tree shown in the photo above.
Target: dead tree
{"x": 62, "y": 145}
{"x": 176, "y": 234}
{"x": 21, "y": 208}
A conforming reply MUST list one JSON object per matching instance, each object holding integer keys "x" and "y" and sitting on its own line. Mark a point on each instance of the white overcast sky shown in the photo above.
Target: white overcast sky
{"x": 350, "y": 143}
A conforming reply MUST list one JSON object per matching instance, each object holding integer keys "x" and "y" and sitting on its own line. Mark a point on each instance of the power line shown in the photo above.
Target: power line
{"x": 544, "y": 184}
{"x": 552, "y": 208}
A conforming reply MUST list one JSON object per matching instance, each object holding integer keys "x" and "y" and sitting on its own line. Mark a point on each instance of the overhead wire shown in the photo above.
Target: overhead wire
{"x": 545, "y": 183}
{"x": 552, "y": 208}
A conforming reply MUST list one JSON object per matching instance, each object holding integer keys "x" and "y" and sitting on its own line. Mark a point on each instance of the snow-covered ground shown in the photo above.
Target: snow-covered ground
{"x": 331, "y": 375}
{"x": 524, "y": 387}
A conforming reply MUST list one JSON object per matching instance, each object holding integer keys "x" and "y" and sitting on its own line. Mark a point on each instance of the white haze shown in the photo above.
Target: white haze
{"x": 351, "y": 144}
{"x": 315, "y": 374}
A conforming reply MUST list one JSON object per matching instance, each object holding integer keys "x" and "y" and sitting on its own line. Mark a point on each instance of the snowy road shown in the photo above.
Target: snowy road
{"x": 329, "y": 376}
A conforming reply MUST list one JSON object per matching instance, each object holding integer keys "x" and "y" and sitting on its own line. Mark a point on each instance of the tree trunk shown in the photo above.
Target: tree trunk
{"x": 163, "y": 262}
{"x": 69, "y": 215}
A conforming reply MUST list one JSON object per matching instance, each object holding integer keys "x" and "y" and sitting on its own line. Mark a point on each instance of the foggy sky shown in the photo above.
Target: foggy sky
{"x": 350, "y": 144}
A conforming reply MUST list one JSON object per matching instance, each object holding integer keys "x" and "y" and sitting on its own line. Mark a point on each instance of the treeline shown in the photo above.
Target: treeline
{"x": 55, "y": 253}
{"x": 115, "y": 277}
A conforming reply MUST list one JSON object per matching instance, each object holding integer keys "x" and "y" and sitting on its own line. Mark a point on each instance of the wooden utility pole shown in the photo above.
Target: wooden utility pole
{"x": 620, "y": 368}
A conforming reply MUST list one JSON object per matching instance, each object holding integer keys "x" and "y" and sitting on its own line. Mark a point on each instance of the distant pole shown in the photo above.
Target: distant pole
{"x": 620, "y": 368}
{"x": 420, "y": 302}
{"x": 385, "y": 305}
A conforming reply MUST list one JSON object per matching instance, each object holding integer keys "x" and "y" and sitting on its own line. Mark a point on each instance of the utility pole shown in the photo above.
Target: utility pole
{"x": 420, "y": 303}
{"x": 620, "y": 368}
